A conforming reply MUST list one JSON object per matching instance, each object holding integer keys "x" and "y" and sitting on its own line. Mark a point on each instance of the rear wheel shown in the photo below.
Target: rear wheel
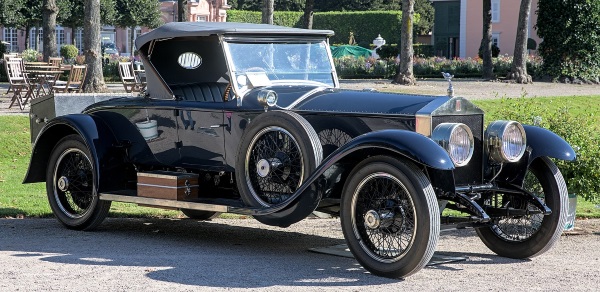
{"x": 530, "y": 235}
{"x": 71, "y": 187}
{"x": 390, "y": 217}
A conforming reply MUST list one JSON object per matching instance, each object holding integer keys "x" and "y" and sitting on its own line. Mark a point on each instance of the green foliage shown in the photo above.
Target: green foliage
{"x": 30, "y": 55}
{"x": 69, "y": 52}
{"x": 72, "y": 16}
{"x": 365, "y": 25}
{"x": 3, "y": 49}
{"x": 431, "y": 67}
{"x": 579, "y": 129}
{"x": 132, "y": 13}
{"x": 391, "y": 51}
{"x": 571, "y": 39}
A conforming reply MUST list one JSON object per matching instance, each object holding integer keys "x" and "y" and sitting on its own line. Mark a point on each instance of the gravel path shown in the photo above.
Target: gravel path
{"x": 229, "y": 254}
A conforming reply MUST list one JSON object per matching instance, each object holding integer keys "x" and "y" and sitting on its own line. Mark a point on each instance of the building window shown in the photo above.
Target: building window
{"x": 60, "y": 36}
{"x": 40, "y": 34}
{"x": 10, "y": 36}
{"x": 495, "y": 10}
{"x": 496, "y": 39}
{"x": 201, "y": 18}
{"x": 79, "y": 39}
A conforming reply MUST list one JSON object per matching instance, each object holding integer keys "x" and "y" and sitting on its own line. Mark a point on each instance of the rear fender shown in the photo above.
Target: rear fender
{"x": 96, "y": 135}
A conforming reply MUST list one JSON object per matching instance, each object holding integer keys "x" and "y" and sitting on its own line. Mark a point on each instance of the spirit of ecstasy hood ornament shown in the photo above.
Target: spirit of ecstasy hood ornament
{"x": 448, "y": 78}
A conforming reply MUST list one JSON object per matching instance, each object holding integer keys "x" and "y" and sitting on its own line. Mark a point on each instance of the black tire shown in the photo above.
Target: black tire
{"x": 390, "y": 217}
{"x": 200, "y": 215}
{"x": 286, "y": 150}
{"x": 529, "y": 236}
{"x": 71, "y": 185}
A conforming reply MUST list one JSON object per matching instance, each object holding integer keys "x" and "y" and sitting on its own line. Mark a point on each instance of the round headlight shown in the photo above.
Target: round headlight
{"x": 506, "y": 141}
{"x": 457, "y": 139}
{"x": 267, "y": 97}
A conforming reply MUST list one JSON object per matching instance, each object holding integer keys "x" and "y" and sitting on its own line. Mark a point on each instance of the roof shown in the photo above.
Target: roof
{"x": 187, "y": 29}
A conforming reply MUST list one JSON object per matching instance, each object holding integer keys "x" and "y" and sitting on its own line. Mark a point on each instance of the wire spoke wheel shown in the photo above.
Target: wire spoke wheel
{"x": 73, "y": 183}
{"x": 524, "y": 236}
{"x": 384, "y": 217}
{"x": 70, "y": 185}
{"x": 274, "y": 168}
{"x": 279, "y": 150}
{"x": 390, "y": 216}
{"x": 520, "y": 228}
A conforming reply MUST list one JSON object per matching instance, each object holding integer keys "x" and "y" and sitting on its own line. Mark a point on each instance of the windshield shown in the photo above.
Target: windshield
{"x": 254, "y": 64}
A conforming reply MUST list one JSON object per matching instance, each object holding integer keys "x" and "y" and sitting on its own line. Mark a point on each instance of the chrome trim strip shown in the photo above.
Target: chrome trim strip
{"x": 305, "y": 96}
{"x": 164, "y": 203}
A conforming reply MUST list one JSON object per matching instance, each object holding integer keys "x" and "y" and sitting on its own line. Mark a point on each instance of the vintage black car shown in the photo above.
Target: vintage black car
{"x": 250, "y": 119}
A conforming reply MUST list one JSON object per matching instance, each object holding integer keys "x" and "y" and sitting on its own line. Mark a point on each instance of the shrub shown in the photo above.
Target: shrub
{"x": 365, "y": 25}
{"x": 30, "y": 55}
{"x": 69, "y": 52}
{"x": 581, "y": 175}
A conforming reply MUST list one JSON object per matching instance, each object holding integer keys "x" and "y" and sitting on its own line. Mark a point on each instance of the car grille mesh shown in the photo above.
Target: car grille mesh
{"x": 472, "y": 173}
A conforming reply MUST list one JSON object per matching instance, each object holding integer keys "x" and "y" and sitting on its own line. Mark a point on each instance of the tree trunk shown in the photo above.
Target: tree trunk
{"x": 308, "y": 13}
{"x": 405, "y": 70}
{"x": 518, "y": 71}
{"x": 182, "y": 10}
{"x": 27, "y": 28}
{"x": 486, "y": 41}
{"x": 49, "y": 13}
{"x": 73, "y": 37}
{"x": 131, "y": 41}
{"x": 94, "y": 80}
{"x": 267, "y": 11}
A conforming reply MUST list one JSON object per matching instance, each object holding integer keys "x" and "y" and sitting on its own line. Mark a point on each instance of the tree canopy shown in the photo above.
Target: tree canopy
{"x": 422, "y": 7}
{"x": 571, "y": 39}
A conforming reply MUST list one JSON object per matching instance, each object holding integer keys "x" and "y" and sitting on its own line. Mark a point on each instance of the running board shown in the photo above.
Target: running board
{"x": 165, "y": 203}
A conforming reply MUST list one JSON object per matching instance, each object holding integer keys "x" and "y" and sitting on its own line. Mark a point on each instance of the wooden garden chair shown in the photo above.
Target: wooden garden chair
{"x": 5, "y": 58}
{"x": 75, "y": 81}
{"x": 18, "y": 81}
{"x": 128, "y": 78}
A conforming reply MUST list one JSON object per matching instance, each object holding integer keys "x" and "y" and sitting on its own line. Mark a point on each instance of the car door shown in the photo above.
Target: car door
{"x": 200, "y": 135}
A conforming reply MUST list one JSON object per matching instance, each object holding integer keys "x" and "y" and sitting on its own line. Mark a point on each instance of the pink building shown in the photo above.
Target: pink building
{"x": 198, "y": 10}
{"x": 459, "y": 23}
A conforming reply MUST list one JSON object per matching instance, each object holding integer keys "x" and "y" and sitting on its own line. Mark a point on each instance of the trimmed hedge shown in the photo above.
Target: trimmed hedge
{"x": 365, "y": 25}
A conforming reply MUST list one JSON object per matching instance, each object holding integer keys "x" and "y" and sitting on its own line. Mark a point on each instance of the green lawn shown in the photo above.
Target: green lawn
{"x": 29, "y": 200}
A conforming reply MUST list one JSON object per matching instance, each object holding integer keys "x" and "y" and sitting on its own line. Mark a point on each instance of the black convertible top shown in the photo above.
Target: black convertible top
{"x": 186, "y": 29}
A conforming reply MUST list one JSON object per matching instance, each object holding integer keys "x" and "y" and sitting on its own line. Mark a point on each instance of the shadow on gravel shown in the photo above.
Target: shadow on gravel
{"x": 205, "y": 254}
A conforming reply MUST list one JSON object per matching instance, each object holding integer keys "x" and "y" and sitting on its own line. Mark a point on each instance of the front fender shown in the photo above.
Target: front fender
{"x": 97, "y": 137}
{"x": 545, "y": 143}
{"x": 409, "y": 144}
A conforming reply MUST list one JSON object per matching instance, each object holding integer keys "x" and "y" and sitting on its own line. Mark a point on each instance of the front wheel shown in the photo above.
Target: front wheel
{"x": 390, "y": 217}
{"x": 71, "y": 187}
{"x": 530, "y": 235}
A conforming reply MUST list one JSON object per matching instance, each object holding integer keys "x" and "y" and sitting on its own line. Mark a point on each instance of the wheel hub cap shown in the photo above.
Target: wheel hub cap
{"x": 382, "y": 219}
{"x": 63, "y": 184}
{"x": 372, "y": 219}
{"x": 265, "y": 166}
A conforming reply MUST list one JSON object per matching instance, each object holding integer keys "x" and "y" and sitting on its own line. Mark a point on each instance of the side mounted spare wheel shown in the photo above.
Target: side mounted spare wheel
{"x": 71, "y": 187}
{"x": 279, "y": 150}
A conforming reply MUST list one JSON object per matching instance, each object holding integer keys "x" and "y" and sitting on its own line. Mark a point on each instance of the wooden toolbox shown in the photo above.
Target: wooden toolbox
{"x": 167, "y": 185}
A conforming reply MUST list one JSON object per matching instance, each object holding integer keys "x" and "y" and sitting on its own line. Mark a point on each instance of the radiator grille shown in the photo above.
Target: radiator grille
{"x": 471, "y": 173}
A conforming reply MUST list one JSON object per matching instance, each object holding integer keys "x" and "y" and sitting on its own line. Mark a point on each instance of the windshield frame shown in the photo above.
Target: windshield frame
{"x": 262, "y": 39}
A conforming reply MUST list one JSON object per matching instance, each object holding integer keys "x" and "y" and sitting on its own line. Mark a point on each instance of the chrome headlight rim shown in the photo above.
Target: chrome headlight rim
{"x": 267, "y": 97}
{"x": 443, "y": 134}
{"x": 495, "y": 135}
